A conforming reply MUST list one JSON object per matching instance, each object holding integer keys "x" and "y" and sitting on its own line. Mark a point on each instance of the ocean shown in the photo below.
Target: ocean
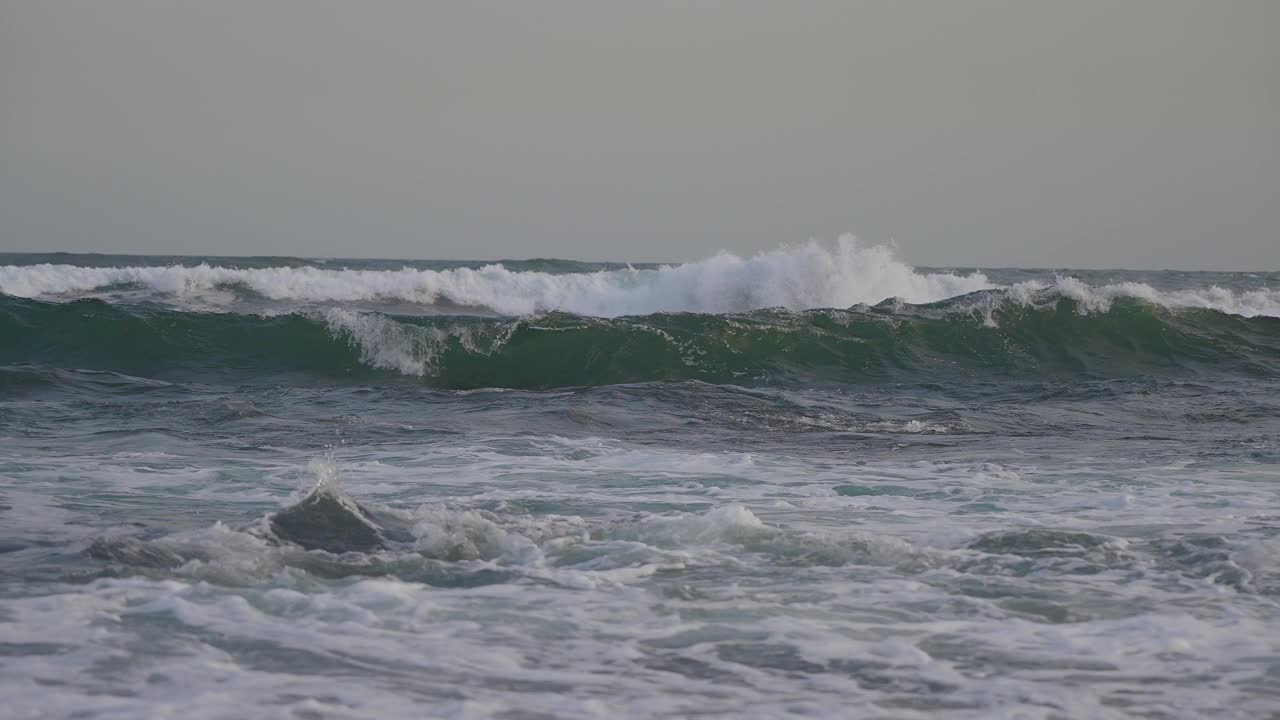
{"x": 814, "y": 482}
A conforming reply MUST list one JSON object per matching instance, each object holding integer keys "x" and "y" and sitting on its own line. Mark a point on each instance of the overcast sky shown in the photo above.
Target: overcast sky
{"x": 1134, "y": 133}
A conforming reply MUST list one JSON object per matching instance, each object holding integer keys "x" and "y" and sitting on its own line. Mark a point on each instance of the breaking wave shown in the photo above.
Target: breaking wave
{"x": 800, "y": 277}
{"x": 1050, "y": 334}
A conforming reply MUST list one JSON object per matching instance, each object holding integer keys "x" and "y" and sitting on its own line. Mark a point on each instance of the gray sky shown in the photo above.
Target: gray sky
{"x": 1134, "y": 133}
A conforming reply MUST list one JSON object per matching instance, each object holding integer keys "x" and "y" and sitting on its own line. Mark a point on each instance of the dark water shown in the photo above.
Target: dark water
{"x": 814, "y": 483}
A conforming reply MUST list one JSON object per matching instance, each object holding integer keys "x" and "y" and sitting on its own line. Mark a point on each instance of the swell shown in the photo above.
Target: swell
{"x": 986, "y": 335}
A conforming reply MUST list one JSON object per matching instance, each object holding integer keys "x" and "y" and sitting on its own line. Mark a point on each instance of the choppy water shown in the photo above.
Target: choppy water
{"x": 766, "y": 488}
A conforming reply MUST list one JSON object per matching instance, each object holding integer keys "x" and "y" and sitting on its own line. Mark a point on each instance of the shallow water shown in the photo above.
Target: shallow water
{"x": 1055, "y": 496}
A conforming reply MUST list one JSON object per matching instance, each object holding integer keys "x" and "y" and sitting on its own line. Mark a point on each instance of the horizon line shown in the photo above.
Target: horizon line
{"x": 332, "y": 258}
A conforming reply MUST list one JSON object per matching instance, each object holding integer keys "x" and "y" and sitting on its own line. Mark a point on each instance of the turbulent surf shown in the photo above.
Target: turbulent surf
{"x": 811, "y": 482}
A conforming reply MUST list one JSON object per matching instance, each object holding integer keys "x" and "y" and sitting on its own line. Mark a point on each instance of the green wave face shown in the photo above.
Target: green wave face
{"x": 93, "y": 335}
{"x": 952, "y": 340}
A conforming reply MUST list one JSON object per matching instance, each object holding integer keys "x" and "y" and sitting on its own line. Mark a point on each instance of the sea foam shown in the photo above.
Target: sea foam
{"x": 797, "y": 277}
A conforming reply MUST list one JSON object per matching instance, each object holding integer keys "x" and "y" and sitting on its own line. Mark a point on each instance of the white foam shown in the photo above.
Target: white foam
{"x": 1091, "y": 298}
{"x": 797, "y": 277}
{"x": 409, "y": 349}
{"x": 723, "y": 604}
{"x": 384, "y": 343}
{"x": 469, "y": 535}
{"x": 809, "y": 275}
{"x": 727, "y": 523}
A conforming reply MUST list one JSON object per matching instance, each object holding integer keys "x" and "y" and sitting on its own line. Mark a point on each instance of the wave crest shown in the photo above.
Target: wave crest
{"x": 800, "y": 277}
{"x": 810, "y": 275}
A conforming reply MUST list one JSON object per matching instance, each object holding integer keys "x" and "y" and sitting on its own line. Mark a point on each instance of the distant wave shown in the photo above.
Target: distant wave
{"x": 1045, "y": 335}
{"x": 801, "y": 277}
{"x": 1250, "y": 303}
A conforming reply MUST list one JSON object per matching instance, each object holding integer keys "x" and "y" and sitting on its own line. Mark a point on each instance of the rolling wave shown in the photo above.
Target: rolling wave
{"x": 798, "y": 278}
{"x": 1048, "y": 334}
{"x": 802, "y": 277}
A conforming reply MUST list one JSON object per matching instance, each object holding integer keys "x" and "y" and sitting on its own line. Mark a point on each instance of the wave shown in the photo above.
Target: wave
{"x": 990, "y": 334}
{"x": 1249, "y": 303}
{"x": 798, "y": 278}
{"x": 801, "y": 277}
